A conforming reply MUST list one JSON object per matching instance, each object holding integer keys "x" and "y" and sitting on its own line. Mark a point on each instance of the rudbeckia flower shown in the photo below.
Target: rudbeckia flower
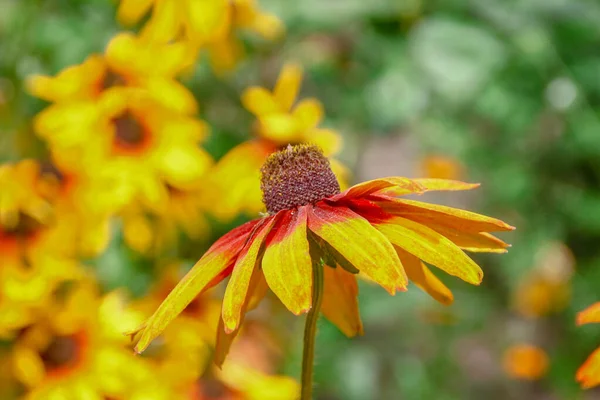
{"x": 278, "y": 123}
{"x": 588, "y": 374}
{"x": 74, "y": 350}
{"x": 316, "y": 238}
{"x": 204, "y": 24}
{"x": 127, "y": 62}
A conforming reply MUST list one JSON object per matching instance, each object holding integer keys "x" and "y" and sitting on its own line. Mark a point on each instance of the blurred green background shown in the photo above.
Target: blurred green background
{"x": 508, "y": 89}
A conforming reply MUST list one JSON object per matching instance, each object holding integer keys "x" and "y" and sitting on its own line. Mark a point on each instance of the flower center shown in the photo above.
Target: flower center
{"x": 62, "y": 351}
{"x": 25, "y": 228}
{"x": 296, "y": 176}
{"x": 111, "y": 79}
{"x": 129, "y": 133}
{"x": 212, "y": 389}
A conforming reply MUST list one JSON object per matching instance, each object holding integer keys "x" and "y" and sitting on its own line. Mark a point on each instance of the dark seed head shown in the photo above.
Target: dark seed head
{"x": 296, "y": 176}
{"x": 62, "y": 351}
{"x": 129, "y": 134}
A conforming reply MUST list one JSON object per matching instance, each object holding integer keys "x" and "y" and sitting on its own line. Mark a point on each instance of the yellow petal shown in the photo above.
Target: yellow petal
{"x": 208, "y": 269}
{"x": 475, "y": 242}
{"x": 589, "y": 315}
{"x": 206, "y": 20}
{"x": 287, "y": 264}
{"x": 131, "y": 11}
{"x": 462, "y": 220}
{"x": 308, "y": 113}
{"x": 288, "y": 85}
{"x": 164, "y": 24}
{"x": 172, "y": 95}
{"x": 280, "y": 128}
{"x": 421, "y": 276}
{"x": 360, "y": 244}
{"x": 259, "y": 101}
{"x": 396, "y": 183}
{"x": 340, "y": 301}
{"x": 329, "y": 141}
{"x": 431, "y": 247}
{"x": 239, "y": 283}
{"x": 445, "y": 184}
{"x": 28, "y": 367}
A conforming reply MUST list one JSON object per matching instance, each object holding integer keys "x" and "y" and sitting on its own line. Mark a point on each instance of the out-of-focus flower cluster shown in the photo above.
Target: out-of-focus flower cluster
{"x": 125, "y": 159}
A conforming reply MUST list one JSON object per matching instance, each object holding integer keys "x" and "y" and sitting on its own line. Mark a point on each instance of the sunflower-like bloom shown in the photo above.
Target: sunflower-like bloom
{"x": 279, "y": 122}
{"x": 588, "y": 374}
{"x": 209, "y": 24}
{"x": 127, "y": 62}
{"x": 75, "y": 350}
{"x": 366, "y": 229}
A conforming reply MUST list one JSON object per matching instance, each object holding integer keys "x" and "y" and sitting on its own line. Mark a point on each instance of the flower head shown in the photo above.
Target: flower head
{"x": 364, "y": 230}
{"x": 588, "y": 374}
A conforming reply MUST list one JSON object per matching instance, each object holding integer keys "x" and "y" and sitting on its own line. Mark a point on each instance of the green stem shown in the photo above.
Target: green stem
{"x": 310, "y": 330}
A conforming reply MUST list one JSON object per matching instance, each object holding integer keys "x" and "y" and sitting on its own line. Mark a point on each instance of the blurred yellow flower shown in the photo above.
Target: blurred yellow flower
{"x": 526, "y": 362}
{"x": 209, "y": 24}
{"x": 442, "y": 167}
{"x": 75, "y": 350}
{"x": 127, "y": 62}
{"x": 279, "y": 123}
{"x": 588, "y": 374}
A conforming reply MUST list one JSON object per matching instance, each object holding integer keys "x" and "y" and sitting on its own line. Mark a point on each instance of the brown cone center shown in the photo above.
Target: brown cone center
{"x": 129, "y": 133}
{"x": 296, "y": 176}
{"x": 62, "y": 351}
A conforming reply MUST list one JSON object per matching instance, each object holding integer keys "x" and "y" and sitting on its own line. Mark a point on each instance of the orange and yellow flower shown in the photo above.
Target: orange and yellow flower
{"x": 278, "y": 124}
{"x": 365, "y": 230}
{"x": 588, "y": 374}
{"x": 75, "y": 350}
{"x": 209, "y": 24}
{"x": 526, "y": 362}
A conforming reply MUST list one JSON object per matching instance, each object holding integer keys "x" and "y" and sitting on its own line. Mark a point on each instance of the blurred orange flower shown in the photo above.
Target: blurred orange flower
{"x": 588, "y": 374}
{"x": 365, "y": 229}
{"x": 442, "y": 167}
{"x": 277, "y": 126}
{"x": 525, "y": 362}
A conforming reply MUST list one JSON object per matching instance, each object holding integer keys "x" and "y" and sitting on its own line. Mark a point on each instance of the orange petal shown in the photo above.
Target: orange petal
{"x": 288, "y": 85}
{"x": 470, "y": 241}
{"x": 287, "y": 264}
{"x": 340, "y": 301}
{"x": 256, "y": 292}
{"x": 589, "y": 315}
{"x": 588, "y": 374}
{"x": 356, "y": 240}
{"x": 210, "y": 268}
{"x": 431, "y": 247}
{"x": 237, "y": 287}
{"x": 399, "y": 185}
{"x": 462, "y": 220}
{"x": 421, "y": 276}
{"x": 431, "y": 184}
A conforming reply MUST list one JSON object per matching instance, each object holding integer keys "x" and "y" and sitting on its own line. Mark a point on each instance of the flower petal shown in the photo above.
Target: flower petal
{"x": 287, "y": 264}
{"x": 208, "y": 269}
{"x": 431, "y": 247}
{"x": 256, "y": 292}
{"x": 131, "y": 11}
{"x": 474, "y": 242}
{"x": 288, "y": 85}
{"x": 163, "y": 25}
{"x": 421, "y": 276}
{"x": 309, "y": 112}
{"x": 589, "y": 315}
{"x": 239, "y": 283}
{"x": 329, "y": 141}
{"x": 399, "y": 185}
{"x": 340, "y": 301}
{"x": 431, "y": 184}
{"x": 259, "y": 101}
{"x": 588, "y": 374}
{"x": 462, "y": 220}
{"x": 356, "y": 240}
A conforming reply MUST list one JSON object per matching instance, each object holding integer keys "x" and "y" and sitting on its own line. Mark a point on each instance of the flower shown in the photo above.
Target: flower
{"x": 588, "y": 374}
{"x": 525, "y": 362}
{"x": 127, "y": 62}
{"x": 365, "y": 229}
{"x": 277, "y": 126}
{"x": 204, "y": 24}
{"x": 75, "y": 350}
{"x": 441, "y": 167}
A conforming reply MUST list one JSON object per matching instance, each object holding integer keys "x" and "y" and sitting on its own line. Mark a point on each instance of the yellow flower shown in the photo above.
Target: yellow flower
{"x": 128, "y": 62}
{"x": 75, "y": 350}
{"x": 279, "y": 123}
{"x": 588, "y": 374}
{"x": 137, "y": 142}
{"x": 310, "y": 225}
{"x": 442, "y": 167}
{"x": 153, "y": 231}
{"x": 209, "y": 24}
{"x": 525, "y": 362}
